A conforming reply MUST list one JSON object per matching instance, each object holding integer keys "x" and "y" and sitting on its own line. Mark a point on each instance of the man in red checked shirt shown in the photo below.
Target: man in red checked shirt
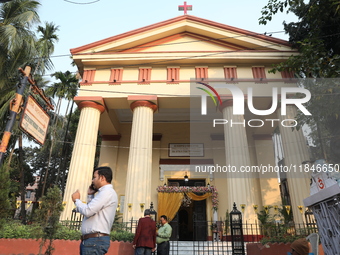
{"x": 145, "y": 238}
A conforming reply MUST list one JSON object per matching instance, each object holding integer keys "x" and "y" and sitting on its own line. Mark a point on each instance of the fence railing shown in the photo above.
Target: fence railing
{"x": 215, "y": 230}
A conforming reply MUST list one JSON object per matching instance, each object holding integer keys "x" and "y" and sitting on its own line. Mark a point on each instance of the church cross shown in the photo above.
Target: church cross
{"x": 185, "y": 7}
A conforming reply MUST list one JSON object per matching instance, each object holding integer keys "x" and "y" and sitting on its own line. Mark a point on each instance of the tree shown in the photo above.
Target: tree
{"x": 66, "y": 88}
{"x": 317, "y": 37}
{"x": 5, "y": 205}
{"x": 48, "y": 217}
{"x": 17, "y": 40}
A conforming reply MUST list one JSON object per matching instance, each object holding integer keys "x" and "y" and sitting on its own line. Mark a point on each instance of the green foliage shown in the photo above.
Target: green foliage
{"x": 285, "y": 216}
{"x": 273, "y": 7}
{"x": 282, "y": 237}
{"x": 15, "y": 229}
{"x": 14, "y": 171}
{"x": 316, "y": 35}
{"x": 5, "y": 204}
{"x": 66, "y": 233}
{"x": 48, "y": 217}
{"x": 121, "y": 236}
{"x": 227, "y": 222}
{"x": 267, "y": 220}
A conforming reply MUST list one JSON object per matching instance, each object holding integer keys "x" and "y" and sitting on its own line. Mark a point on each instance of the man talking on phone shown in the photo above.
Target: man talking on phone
{"x": 99, "y": 213}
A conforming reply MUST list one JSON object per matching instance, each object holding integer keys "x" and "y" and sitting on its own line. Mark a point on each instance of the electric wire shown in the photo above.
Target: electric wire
{"x": 81, "y": 3}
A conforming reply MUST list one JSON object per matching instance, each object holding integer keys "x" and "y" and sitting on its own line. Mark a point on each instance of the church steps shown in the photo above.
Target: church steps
{"x": 200, "y": 248}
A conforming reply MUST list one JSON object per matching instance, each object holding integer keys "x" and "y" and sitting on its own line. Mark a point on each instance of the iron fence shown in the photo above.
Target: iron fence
{"x": 213, "y": 237}
{"x": 214, "y": 230}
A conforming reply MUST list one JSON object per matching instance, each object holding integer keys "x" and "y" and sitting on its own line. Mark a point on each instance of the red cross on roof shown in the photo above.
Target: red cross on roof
{"x": 185, "y": 7}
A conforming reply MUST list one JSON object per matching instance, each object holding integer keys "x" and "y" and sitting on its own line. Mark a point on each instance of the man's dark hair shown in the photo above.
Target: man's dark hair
{"x": 164, "y": 217}
{"x": 104, "y": 171}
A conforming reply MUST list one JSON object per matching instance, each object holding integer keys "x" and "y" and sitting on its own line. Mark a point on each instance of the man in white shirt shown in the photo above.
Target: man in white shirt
{"x": 99, "y": 213}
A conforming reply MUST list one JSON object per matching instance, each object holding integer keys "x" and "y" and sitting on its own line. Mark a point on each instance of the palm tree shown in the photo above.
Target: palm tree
{"x": 19, "y": 46}
{"x": 45, "y": 45}
{"x": 65, "y": 89}
{"x": 17, "y": 40}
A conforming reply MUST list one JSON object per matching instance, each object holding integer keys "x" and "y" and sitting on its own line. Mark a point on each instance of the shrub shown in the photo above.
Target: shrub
{"x": 121, "y": 236}
{"x": 66, "y": 233}
{"x": 15, "y": 229}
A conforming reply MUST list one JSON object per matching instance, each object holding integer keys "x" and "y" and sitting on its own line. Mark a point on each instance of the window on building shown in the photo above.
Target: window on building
{"x": 88, "y": 77}
{"x": 230, "y": 73}
{"x": 259, "y": 74}
{"x": 144, "y": 76}
{"x": 201, "y": 73}
{"x": 116, "y": 76}
{"x": 173, "y": 74}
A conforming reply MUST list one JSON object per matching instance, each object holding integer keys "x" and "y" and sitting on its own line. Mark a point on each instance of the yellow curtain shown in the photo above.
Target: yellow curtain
{"x": 195, "y": 197}
{"x": 168, "y": 204}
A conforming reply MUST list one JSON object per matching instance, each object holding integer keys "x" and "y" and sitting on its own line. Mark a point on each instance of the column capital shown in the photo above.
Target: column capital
{"x": 145, "y": 103}
{"x": 91, "y": 104}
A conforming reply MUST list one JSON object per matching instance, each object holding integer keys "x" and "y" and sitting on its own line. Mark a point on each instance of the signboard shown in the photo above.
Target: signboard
{"x": 186, "y": 150}
{"x": 35, "y": 120}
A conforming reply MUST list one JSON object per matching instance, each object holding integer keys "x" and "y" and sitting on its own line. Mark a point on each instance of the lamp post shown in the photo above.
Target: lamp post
{"x": 237, "y": 239}
{"x": 186, "y": 178}
{"x": 153, "y": 213}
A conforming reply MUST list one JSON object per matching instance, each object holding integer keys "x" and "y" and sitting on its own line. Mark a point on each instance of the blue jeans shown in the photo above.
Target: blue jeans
{"x": 95, "y": 246}
{"x": 143, "y": 251}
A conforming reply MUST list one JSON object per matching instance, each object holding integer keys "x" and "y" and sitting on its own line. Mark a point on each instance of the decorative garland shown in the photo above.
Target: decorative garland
{"x": 199, "y": 189}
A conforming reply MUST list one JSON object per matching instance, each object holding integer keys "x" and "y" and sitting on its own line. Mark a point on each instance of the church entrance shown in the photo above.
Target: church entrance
{"x": 190, "y": 223}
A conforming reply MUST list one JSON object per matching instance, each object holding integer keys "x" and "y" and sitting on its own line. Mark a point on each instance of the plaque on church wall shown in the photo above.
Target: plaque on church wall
{"x": 186, "y": 150}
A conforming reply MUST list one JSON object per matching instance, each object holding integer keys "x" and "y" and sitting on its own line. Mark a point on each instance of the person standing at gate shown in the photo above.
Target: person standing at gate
{"x": 163, "y": 237}
{"x": 144, "y": 241}
{"x": 99, "y": 213}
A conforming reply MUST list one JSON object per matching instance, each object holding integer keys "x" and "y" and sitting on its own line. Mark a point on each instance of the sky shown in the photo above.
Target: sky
{"x": 87, "y": 22}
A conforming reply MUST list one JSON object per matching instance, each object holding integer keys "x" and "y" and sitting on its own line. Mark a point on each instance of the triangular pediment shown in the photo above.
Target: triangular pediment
{"x": 177, "y": 33}
{"x": 188, "y": 42}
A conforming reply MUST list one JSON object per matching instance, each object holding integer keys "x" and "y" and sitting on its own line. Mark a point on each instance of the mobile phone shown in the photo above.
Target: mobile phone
{"x": 92, "y": 187}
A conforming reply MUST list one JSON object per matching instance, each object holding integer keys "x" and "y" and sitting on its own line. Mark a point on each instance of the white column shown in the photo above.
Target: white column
{"x": 82, "y": 162}
{"x": 240, "y": 188}
{"x": 138, "y": 180}
{"x": 269, "y": 182}
{"x": 295, "y": 152}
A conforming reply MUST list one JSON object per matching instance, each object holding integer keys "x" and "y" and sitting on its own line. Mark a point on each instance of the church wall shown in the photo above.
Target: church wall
{"x": 130, "y": 73}
{"x": 122, "y": 160}
{"x": 186, "y": 72}
{"x": 159, "y": 73}
{"x": 102, "y": 75}
{"x": 109, "y": 155}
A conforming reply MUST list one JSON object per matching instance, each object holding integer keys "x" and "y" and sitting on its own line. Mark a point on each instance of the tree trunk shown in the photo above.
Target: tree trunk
{"x": 22, "y": 182}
